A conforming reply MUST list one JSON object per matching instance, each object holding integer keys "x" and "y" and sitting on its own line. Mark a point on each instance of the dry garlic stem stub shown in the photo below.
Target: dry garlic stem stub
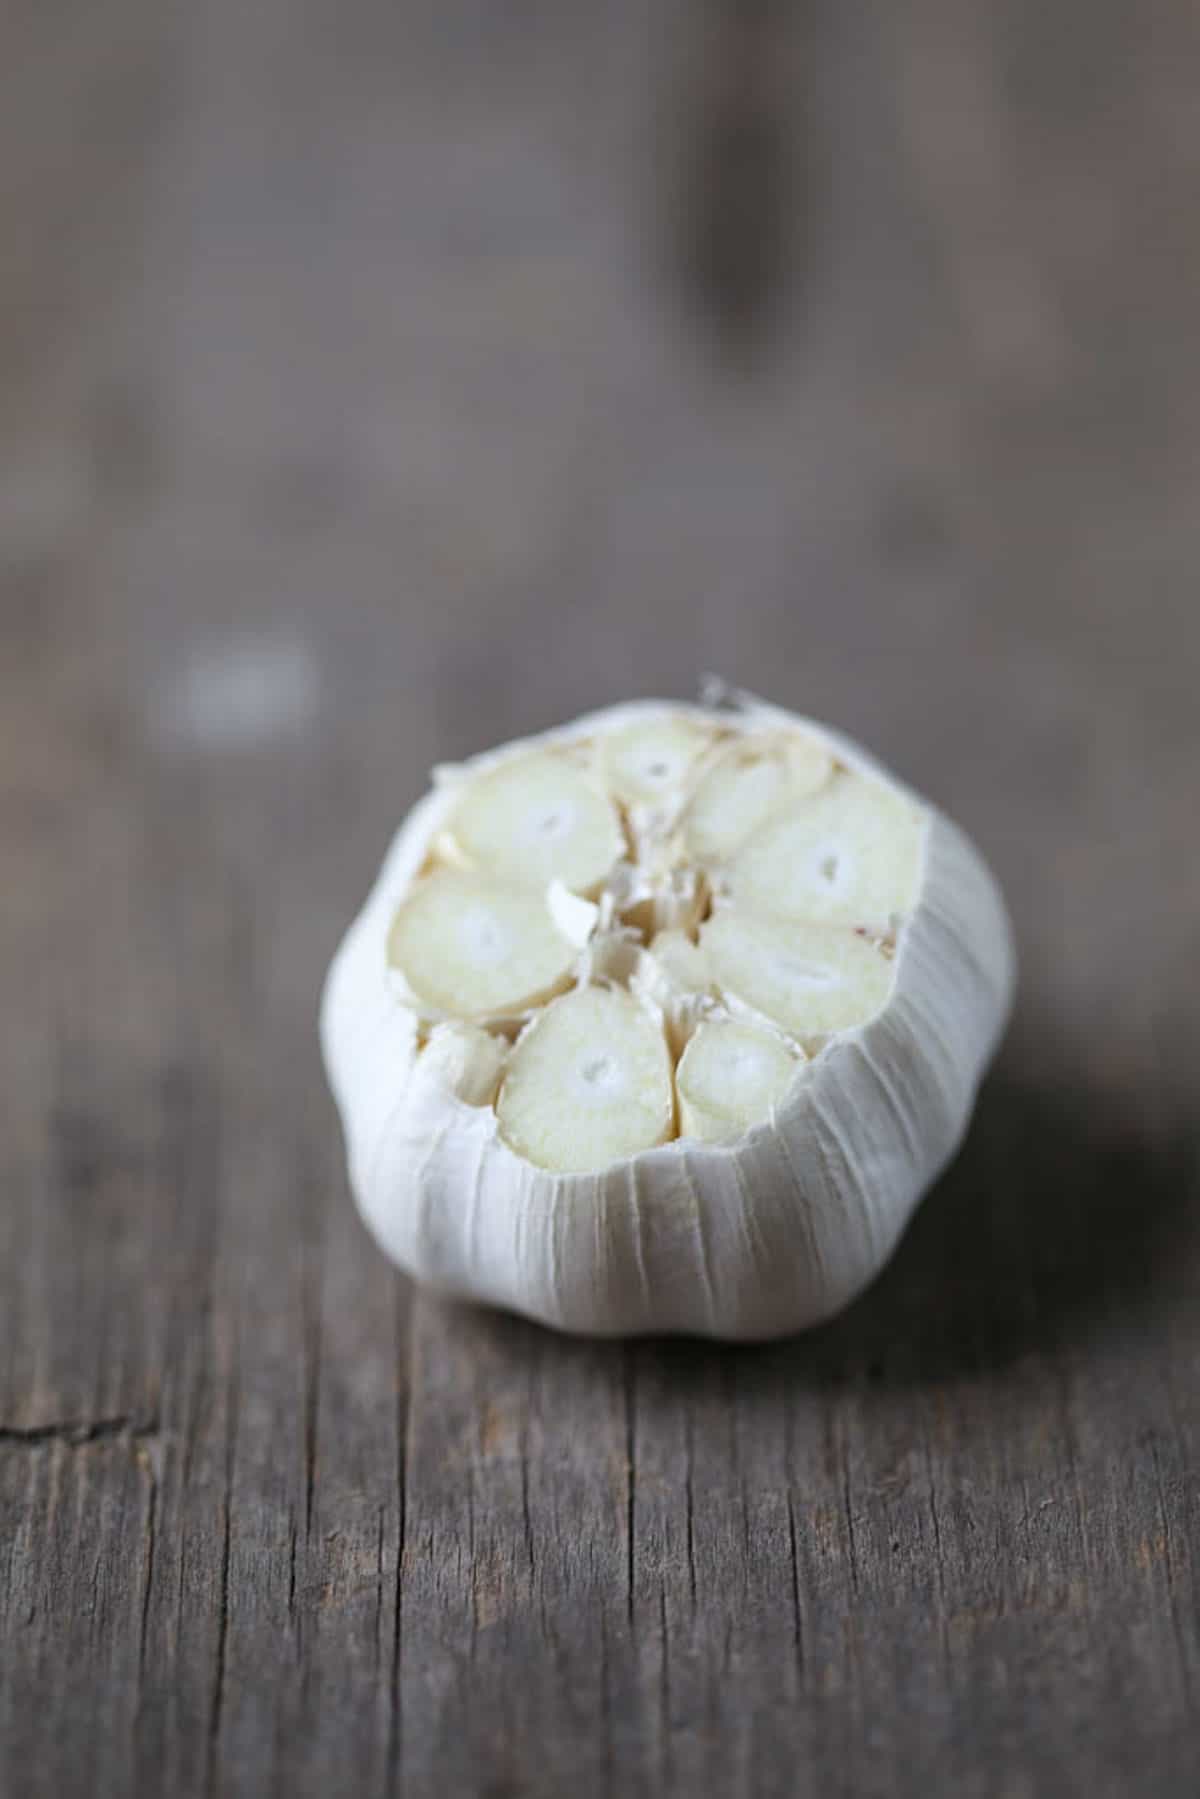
{"x": 664, "y": 1021}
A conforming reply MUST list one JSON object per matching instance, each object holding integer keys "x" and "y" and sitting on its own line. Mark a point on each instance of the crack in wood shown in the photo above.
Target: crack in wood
{"x": 629, "y": 1370}
{"x": 78, "y": 1433}
{"x": 405, "y": 1335}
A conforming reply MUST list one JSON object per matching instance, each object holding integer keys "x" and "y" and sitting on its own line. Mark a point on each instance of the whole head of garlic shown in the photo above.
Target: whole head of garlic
{"x": 664, "y": 1021}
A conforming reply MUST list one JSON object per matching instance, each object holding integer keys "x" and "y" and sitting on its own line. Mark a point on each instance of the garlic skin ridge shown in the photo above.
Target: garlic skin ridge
{"x": 741, "y": 1240}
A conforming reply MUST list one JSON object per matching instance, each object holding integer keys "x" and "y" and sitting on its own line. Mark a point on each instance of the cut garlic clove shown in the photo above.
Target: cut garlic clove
{"x": 850, "y": 853}
{"x": 731, "y": 1076}
{"x": 465, "y": 1059}
{"x": 535, "y": 819}
{"x": 746, "y": 785}
{"x": 649, "y": 762}
{"x": 589, "y": 1083}
{"x": 808, "y": 979}
{"x": 477, "y": 948}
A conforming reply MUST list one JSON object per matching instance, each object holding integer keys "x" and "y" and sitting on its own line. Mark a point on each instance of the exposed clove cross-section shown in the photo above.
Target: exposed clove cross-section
{"x": 589, "y": 1083}
{"x": 472, "y": 947}
{"x": 537, "y": 819}
{"x": 730, "y": 1076}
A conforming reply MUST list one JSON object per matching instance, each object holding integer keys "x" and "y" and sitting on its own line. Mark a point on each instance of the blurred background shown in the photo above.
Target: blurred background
{"x": 379, "y": 381}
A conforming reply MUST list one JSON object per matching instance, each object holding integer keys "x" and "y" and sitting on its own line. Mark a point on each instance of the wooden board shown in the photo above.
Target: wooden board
{"x": 378, "y": 382}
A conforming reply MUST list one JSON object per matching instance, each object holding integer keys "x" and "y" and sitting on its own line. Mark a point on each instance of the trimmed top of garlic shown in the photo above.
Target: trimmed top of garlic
{"x": 784, "y": 873}
{"x": 632, "y": 946}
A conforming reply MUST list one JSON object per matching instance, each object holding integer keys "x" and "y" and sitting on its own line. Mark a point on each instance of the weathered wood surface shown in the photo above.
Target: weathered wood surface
{"x": 377, "y": 382}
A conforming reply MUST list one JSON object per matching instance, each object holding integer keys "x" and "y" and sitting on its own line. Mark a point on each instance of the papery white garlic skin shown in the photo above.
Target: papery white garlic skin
{"x": 748, "y": 1237}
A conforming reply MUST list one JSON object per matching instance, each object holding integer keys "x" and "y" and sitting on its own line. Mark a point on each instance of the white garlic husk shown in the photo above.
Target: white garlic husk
{"x": 776, "y": 1226}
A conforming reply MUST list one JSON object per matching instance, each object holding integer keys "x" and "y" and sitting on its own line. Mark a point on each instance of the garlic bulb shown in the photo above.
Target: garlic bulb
{"x": 664, "y": 1021}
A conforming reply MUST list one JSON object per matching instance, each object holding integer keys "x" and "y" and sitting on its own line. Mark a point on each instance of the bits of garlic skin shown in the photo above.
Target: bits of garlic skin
{"x": 466, "y": 1059}
{"x": 576, "y": 919}
{"x": 664, "y": 1022}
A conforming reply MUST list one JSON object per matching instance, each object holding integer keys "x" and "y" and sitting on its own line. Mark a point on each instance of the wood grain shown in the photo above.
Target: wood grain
{"x": 378, "y": 382}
